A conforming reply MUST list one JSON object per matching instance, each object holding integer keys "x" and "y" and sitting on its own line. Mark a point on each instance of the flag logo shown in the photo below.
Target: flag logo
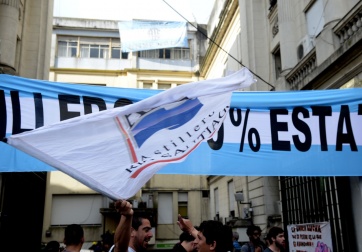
{"x": 164, "y": 118}
{"x": 166, "y": 133}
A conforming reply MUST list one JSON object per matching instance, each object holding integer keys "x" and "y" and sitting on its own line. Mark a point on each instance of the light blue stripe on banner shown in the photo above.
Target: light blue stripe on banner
{"x": 261, "y": 101}
{"x": 51, "y": 90}
{"x": 13, "y": 160}
{"x": 204, "y": 161}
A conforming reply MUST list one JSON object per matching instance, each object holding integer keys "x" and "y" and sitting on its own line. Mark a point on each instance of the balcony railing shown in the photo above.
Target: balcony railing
{"x": 348, "y": 26}
{"x": 302, "y": 69}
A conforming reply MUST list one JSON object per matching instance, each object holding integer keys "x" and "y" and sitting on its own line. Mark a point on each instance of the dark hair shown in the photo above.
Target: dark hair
{"x": 107, "y": 238}
{"x": 251, "y": 229}
{"x": 236, "y": 235}
{"x": 73, "y": 234}
{"x": 273, "y": 233}
{"x": 185, "y": 236}
{"x": 137, "y": 220}
{"x": 52, "y": 246}
{"x": 216, "y": 231}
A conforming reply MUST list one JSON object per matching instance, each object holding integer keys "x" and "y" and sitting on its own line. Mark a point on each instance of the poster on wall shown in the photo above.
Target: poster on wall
{"x": 310, "y": 237}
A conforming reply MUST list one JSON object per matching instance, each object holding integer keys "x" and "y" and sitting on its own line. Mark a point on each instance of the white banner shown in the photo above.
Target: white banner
{"x": 294, "y": 133}
{"x": 138, "y": 35}
{"x": 116, "y": 151}
{"x": 311, "y": 237}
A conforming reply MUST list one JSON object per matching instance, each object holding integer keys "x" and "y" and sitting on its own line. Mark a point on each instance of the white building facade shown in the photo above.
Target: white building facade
{"x": 289, "y": 45}
{"x": 25, "y": 34}
{"x": 89, "y": 52}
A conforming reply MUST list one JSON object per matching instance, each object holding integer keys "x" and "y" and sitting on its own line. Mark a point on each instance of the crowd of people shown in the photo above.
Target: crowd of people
{"x": 134, "y": 233}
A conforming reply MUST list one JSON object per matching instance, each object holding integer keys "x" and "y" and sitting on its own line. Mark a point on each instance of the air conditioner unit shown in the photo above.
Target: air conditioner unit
{"x": 239, "y": 196}
{"x": 305, "y": 46}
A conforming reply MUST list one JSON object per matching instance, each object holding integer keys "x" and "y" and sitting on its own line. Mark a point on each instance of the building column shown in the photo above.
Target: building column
{"x": 9, "y": 18}
{"x": 327, "y": 42}
{"x": 288, "y": 40}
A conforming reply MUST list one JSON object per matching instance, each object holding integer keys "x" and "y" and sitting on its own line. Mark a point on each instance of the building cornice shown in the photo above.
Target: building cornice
{"x": 12, "y": 3}
{"x": 227, "y": 15}
{"x": 122, "y": 72}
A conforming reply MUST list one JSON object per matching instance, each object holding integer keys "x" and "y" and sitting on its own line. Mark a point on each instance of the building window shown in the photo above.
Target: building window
{"x": 84, "y": 209}
{"x": 315, "y": 18}
{"x": 165, "y": 208}
{"x": 277, "y": 62}
{"x": 177, "y": 53}
{"x": 216, "y": 202}
{"x": 181, "y": 53}
{"x": 182, "y": 204}
{"x": 231, "y": 192}
{"x": 272, "y": 3}
{"x": 98, "y": 48}
{"x": 94, "y": 51}
{"x": 125, "y": 55}
{"x": 115, "y": 52}
{"x": 147, "y": 85}
{"x": 164, "y": 86}
{"x": 67, "y": 49}
{"x": 149, "y": 54}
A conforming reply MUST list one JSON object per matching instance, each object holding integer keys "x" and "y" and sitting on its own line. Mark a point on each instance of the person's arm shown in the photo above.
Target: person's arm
{"x": 186, "y": 225}
{"x": 123, "y": 231}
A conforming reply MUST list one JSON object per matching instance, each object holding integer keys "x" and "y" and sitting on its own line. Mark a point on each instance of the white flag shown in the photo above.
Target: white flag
{"x": 139, "y": 35}
{"x": 116, "y": 151}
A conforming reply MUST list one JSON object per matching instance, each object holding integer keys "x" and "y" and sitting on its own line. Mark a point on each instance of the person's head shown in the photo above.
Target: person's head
{"x": 73, "y": 235}
{"x": 141, "y": 233}
{"x": 235, "y": 236}
{"x": 107, "y": 240}
{"x": 214, "y": 236}
{"x": 187, "y": 241}
{"x": 52, "y": 246}
{"x": 276, "y": 236}
{"x": 254, "y": 233}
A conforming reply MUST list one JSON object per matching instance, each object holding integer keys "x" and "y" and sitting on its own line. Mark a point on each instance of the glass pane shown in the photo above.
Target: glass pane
{"x": 165, "y": 208}
{"x": 62, "y": 49}
{"x": 167, "y": 53}
{"x": 182, "y": 210}
{"x": 186, "y": 54}
{"x": 104, "y": 52}
{"x": 116, "y": 53}
{"x": 73, "y": 52}
{"x": 177, "y": 53}
{"x": 160, "y": 54}
{"x": 94, "y": 51}
{"x": 182, "y": 196}
{"x": 125, "y": 55}
{"x": 84, "y": 51}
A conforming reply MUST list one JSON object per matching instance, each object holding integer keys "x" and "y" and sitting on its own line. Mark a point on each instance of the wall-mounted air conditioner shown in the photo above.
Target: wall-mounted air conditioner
{"x": 305, "y": 45}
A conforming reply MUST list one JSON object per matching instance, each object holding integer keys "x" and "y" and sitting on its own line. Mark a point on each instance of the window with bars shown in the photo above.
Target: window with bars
{"x": 320, "y": 199}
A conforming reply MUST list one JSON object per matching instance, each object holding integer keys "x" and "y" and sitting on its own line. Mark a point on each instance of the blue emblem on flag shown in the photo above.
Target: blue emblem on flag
{"x": 162, "y": 118}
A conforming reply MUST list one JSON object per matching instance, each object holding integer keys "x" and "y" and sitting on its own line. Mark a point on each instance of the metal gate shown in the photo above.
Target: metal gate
{"x": 318, "y": 199}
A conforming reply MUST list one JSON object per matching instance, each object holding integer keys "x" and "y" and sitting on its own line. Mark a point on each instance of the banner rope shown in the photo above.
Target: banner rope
{"x": 213, "y": 41}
